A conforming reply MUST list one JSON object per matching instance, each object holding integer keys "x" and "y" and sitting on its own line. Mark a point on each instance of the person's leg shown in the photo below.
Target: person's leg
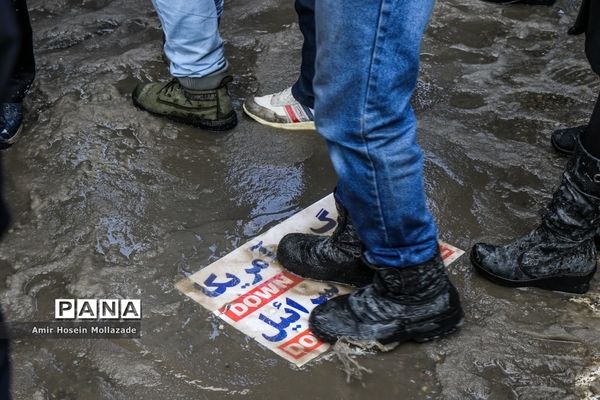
{"x": 366, "y": 117}
{"x": 303, "y": 88}
{"x": 193, "y": 44}
{"x": 198, "y": 93}
{"x": 10, "y": 42}
{"x": 591, "y": 137}
{"x": 219, "y": 4}
{"x": 24, "y": 70}
{"x": 565, "y": 140}
{"x": 560, "y": 253}
{"x": 366, "y": 70}
{"x": 367, "y": 66}
{"x": 293, "y": 107}
{"x": 20, "y": 78}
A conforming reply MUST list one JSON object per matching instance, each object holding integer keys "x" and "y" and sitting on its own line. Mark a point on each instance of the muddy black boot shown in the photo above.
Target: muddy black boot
{"x": 560, "y": 254}
{"x": 201, "y": 102}
{"x": 565, "y": 140}
{"x": 335, "y": 258}
{"x": 416, "y": 303}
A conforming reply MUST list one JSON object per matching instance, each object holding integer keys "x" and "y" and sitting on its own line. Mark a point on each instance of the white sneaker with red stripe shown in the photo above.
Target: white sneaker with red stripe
{"x": 280, "y": 110}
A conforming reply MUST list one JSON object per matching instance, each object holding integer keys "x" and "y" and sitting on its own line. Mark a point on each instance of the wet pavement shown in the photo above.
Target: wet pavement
{"x": 110, "y": 201}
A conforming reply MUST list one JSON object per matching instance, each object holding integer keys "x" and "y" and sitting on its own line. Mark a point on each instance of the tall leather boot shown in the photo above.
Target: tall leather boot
{"x": 335, "y": 258}
{"x": 417, "y": 303}
{"x": 559, "y": 254}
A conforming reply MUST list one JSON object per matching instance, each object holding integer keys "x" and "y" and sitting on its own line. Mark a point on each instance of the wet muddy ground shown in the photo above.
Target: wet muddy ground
{"x": 109, "y": 201}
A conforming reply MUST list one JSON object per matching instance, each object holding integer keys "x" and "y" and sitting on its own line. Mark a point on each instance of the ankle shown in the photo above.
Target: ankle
{"x": 209, "y": 82}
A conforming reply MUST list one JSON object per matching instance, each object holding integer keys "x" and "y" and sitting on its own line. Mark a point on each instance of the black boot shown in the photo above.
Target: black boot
{"x": 565, "y": 140}
{"x": 560, "y": 254}
{"x": 335, "y": 258}
{"x": 416, "y": 303}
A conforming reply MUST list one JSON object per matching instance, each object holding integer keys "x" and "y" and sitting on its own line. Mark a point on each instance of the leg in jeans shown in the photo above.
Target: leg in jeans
{"x": 193, "y": 43}
{"x": 303, "y": 88}
{"x": 292, "y": 108}
{"x": 198, "y": 93}
{"x": 366, "y": 71}
{"x": 367, "y": 66}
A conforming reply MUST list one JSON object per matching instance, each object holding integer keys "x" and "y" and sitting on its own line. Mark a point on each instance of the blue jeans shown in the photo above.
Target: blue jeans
{"x": 193, "y": 43}
{"x": 366, "y": 70}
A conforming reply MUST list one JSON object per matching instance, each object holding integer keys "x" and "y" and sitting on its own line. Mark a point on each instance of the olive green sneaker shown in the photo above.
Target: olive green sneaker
{"x": 204, "y": 108}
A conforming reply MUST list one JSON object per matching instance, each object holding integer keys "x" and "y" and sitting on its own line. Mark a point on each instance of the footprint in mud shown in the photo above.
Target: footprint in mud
{"x": 474, "y": 33}
{"x": 467, "y": 100}
{"x": 44, "y": 288}
{"x": 558, "y": 105}
{"x": 511, "y": 127}
{"x": 574, "y": 75}
{"x": 74, "y": 34}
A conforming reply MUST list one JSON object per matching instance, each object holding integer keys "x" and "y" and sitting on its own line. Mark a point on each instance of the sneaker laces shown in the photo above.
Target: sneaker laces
{"x": 172, "y": 85}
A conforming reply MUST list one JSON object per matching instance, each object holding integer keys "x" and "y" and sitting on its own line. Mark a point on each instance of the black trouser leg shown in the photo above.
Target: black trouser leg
{"x": 9, "y": 48}
{"x": 10, "y": 38}
{"x": 23, "y": 71}
{"x": 591, "y": 138}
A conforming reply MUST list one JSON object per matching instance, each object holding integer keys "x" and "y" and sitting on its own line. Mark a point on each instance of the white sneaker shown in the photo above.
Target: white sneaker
{"x": 280, "y": 110}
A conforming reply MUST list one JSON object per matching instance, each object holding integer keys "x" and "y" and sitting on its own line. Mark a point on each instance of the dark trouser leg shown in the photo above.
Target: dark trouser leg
{"x": 4, "y": 364}
{"x": 23, "y": 72}
{"x": 591, "y": 138}
{"x": 303, "y": 88}
{"x": 9, "y": 42}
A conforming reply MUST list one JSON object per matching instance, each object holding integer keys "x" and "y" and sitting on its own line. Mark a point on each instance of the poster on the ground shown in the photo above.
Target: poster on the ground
{"x": 250, "y": 291}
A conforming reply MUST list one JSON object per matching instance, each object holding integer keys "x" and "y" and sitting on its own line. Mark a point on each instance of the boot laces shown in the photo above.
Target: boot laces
{"x": 338, "y": 240}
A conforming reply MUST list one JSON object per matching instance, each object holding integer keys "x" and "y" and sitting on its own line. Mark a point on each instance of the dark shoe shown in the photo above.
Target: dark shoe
{"x": 207, "y": 109}
{"x": 335, "y": 258}
{"x": 565, "y": 140}
{"x": 11, "y": 123}
{"x": 560, "y": 254}
{"x": 417, "y": 303}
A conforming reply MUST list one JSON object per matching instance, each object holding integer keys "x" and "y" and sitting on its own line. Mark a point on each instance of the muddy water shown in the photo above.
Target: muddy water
{"x": 110, "y": 201}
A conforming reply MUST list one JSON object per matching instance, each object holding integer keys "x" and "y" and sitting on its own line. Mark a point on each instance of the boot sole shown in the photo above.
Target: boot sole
{"x": 568, "y": 284}
{"x": 299, "y": 126}
{"x": 222, "y": 125}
